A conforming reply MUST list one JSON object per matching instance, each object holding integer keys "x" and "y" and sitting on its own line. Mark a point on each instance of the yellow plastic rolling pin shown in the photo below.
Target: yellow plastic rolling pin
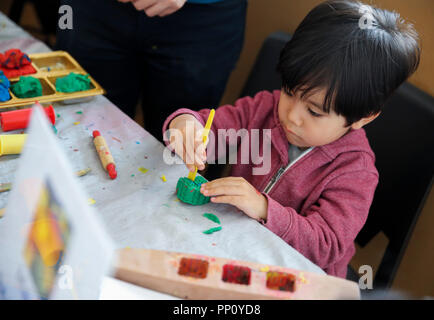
{"x": 12, "y": 143}
{"x": 104, "y": 154}
{"x": 192, "y": 175}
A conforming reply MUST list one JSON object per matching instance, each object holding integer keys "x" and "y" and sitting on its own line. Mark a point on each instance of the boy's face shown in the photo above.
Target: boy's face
{"x": 305, "y": 123}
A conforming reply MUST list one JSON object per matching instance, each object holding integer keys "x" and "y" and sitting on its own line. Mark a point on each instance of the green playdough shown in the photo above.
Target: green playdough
{"x": 212, "y": 217}
{"x": 73, "y": 82}
{"x": 27, "y": 87}
{"x": 212, "y": 230}
{"x": 189, "y": 191}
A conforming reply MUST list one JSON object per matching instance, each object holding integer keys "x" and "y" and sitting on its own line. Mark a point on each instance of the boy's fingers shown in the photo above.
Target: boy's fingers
{"x": 227, "y": 181}
{"x": 189, "y": 153}
{"x": 222, "y": 190}
{"x": 192, "y": 153}
{"x": 179, "y": 148}
{"x": 233, "y": 200}
{"x": 192, "y": 161}
{"x": 190, "y": 167}
{"x": 199, "y": 154}
{"x": 199, "y": 158}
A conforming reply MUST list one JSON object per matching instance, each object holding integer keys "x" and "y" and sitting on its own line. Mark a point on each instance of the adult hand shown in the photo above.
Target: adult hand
{"x": 186, "y": 139}
{"x": 159, "y": 8}
{"x": 239, "y": 193}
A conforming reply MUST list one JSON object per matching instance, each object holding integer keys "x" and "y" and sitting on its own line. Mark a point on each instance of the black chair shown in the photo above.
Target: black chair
{"x": 403, "y": 141}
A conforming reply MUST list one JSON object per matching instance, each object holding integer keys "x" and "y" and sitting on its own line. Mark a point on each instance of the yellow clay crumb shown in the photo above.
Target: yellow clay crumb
{"x": 302, "y": 278}
{"x": 143, "y": 170}
{"x": 91, "y": 201}
{"x": 163, "y": 177}
{"x": 75, "y": 123}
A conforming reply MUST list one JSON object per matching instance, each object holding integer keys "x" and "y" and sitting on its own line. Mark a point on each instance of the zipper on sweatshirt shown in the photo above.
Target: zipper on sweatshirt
{"x": 282, "y": 170}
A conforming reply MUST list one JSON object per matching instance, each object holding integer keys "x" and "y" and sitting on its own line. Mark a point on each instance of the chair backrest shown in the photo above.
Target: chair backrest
{"x": 403, "y": 141}
{"x": 402, "y": 138}
{"x": 263, "y": 75}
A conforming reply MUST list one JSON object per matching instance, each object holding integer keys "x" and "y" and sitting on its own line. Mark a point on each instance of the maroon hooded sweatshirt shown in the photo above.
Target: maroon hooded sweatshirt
{"x": 320, "y": 203}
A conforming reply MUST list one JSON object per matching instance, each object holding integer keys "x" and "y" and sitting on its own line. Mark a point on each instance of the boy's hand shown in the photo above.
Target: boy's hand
{"x": 239, "y": 193}
{"x": 186, "y": 139}
{"x": 159, "y": 8}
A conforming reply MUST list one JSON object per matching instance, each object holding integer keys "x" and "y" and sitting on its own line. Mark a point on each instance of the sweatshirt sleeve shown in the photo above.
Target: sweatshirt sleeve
{"x": 326, "y": 229}
{"x": 235, "y": 116}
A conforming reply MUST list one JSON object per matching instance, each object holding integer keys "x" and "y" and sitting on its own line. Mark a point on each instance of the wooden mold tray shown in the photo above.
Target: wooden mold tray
{"x": 198, "y": 277}
{"x": 50, "y": 66}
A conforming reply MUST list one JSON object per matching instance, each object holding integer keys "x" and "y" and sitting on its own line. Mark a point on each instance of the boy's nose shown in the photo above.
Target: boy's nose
{"x": 294, "y": 115}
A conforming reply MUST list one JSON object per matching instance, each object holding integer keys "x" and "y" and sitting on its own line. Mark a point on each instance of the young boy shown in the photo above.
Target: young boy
{"x": 342, "y": 63}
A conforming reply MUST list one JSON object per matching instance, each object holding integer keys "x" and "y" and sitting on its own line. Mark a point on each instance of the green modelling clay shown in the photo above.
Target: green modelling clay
{"x": 27, "y": 87}
{"x": 212, "y": 217}
{"x": 212, "y": 230}
{"x": 73, "y": 82}
{"x": 189, "y": 191}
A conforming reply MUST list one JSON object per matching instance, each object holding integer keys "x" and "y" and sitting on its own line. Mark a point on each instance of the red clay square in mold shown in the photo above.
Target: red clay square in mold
{"x": 236, "y": 274}
{"x": 195, "y": 268}
{"x": 281, "y": 281}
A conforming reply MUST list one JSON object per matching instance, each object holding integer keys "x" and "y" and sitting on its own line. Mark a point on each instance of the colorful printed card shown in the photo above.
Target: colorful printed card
{"x": 52, "y": 244}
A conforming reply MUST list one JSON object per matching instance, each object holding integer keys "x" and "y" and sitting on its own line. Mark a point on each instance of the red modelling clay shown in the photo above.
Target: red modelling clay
{"x": 15, "y": 63}
{"x": 19, "y": 119}
{"x": 195, "y": 268}
{"x": 111, "y": 168}
{"x": 236, "y": 274}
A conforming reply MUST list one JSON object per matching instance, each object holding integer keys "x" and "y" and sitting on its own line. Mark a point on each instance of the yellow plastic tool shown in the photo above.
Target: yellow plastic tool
{"x": 192, "y": 175}
{"x": 12, "y": 143}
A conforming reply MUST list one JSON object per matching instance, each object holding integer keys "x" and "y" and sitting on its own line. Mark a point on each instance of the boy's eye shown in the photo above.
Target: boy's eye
{"x": 314, "y": 113}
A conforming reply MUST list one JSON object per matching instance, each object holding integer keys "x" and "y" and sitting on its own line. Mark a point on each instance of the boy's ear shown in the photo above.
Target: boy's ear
{"x": 364, "y": 121}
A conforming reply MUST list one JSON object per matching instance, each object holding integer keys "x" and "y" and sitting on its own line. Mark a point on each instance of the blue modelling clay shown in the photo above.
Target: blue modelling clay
{"x": 4, "y": 88}
{"x": 4, "y": 94}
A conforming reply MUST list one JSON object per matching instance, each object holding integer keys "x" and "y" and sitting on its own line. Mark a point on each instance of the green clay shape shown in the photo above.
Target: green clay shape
{"x": 73, "y": 82}
{"x": 212, "y": 230}
{"x": 27, "y": 87}
{"x": 212, "y": 217}
{"x": 189, "y": 191}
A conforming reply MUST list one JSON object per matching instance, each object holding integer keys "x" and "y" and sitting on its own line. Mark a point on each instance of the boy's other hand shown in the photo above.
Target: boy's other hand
{"x": 186, "y": 139}
{"x": 159, "y": 8}
{"x": 239, "y": 193}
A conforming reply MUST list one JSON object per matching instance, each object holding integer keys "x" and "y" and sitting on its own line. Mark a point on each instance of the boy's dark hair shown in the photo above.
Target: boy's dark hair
{"x": 358, "y": 53}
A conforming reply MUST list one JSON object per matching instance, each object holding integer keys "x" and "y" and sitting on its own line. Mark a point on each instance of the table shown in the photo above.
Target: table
{"x": 140, "y": 210}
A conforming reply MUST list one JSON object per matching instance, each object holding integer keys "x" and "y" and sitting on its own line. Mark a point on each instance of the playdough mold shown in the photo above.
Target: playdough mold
{"x": 50, "y": 67}
{"x": 189, "y": 191}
